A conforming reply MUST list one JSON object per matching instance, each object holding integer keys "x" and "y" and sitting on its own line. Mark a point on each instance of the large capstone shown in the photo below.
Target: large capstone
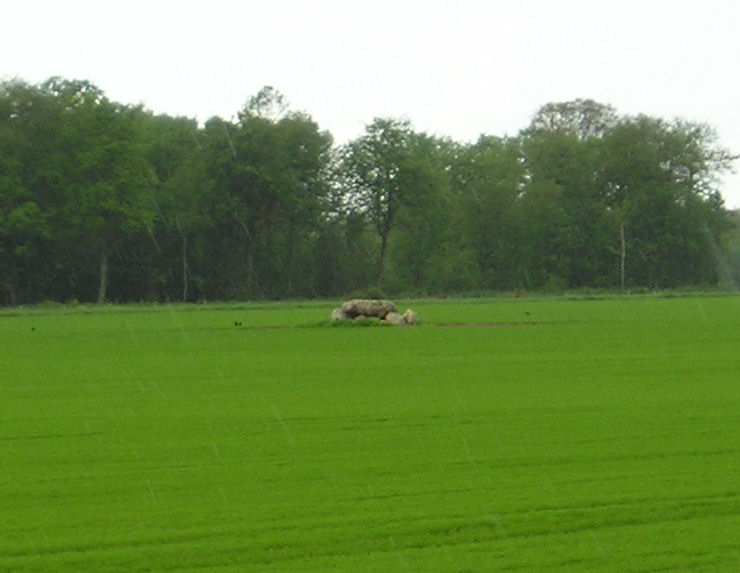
{"x": 368, "y": 307}
{"x": 383, "y": 310}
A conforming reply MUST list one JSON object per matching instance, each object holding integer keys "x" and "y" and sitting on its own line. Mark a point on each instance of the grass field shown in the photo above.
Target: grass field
{"x": 501, "y": 435}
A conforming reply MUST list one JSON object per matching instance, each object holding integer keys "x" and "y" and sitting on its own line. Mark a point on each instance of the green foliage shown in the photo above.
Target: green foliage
{"x": 268, "y": 188}
{"x": 100, "y": 200}
{"x": 733, "y": 259}
{"x": 658, "y": 179}
{"x": 378, "y": 173}
{"x": 79, "y": 171}
{"x": 541, "y": 435}
{"x": 371, "y": 292}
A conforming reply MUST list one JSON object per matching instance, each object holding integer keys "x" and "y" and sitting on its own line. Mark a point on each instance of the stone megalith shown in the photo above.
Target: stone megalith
{"x": 384, "y": 310}
{"x": 337, "y": 314}
{"x": 368, "y": 307}
{"x": 394, "y": 318}
{"x": 410, "y": 317}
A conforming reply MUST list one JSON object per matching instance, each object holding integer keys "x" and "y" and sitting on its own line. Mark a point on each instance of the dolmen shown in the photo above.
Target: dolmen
{"x": 383, "y": 310}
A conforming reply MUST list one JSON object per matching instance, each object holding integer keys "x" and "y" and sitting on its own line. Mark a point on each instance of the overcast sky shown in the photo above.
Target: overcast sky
{"x": 456, "y": 68}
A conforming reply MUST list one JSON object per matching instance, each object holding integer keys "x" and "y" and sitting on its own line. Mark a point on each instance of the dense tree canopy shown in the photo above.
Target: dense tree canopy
{"x": 105, "y": 201}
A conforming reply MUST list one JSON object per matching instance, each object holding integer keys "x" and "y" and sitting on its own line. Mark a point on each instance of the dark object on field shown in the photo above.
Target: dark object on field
{"x": 384, "y": 310}
{"x": 237, "y": 323}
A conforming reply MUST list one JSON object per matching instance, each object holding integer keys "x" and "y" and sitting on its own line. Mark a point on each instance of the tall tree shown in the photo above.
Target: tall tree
{"x": 488, "y": 183}
{"x": 581, "y": 118}
{"x": 267, "y": 175}
{"x": 568, "y": 164}
{"x": 172, "y": 147}
{"x": 31, "y": 174}
{"x": 109, "y": 190}
{"x": 661, "y": 178}
{"x": 422, "y": 256}
{"x": 381, "y": 177}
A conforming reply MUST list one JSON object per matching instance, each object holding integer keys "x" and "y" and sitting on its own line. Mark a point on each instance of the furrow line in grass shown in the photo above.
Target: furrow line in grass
{"x": 281, "y": 544}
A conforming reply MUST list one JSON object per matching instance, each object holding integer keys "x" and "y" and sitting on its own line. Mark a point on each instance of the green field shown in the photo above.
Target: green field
{"x": 501, "y": 435}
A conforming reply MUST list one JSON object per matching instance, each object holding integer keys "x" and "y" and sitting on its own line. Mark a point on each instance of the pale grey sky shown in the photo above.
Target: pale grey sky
{"x": 457, "y": 68}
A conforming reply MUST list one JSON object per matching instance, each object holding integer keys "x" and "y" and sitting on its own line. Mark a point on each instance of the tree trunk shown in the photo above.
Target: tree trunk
{"x": 185, "y": 271}
{"x": 250, "y": 268}
{"x": 103, "y": 286}
{"x": 251, "y": 233}
{"x": 381, "y": 262}
{"x": 290, "y": 257}
{"x": 622, "y": 254}
{"x": 12, "y": 295}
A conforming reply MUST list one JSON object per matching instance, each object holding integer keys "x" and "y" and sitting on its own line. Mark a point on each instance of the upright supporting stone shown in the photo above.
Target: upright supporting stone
{"x": 410, "y": 317}
{"x": 394, "y": 318}
{"x": 337, "y": 314}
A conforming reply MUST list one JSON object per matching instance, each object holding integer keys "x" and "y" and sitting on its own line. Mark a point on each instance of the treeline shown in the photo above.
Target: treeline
{"x": 105, "y": 201}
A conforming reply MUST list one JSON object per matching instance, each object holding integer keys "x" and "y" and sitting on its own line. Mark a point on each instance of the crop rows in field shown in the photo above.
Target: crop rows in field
{"x": 499, "y": 435}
